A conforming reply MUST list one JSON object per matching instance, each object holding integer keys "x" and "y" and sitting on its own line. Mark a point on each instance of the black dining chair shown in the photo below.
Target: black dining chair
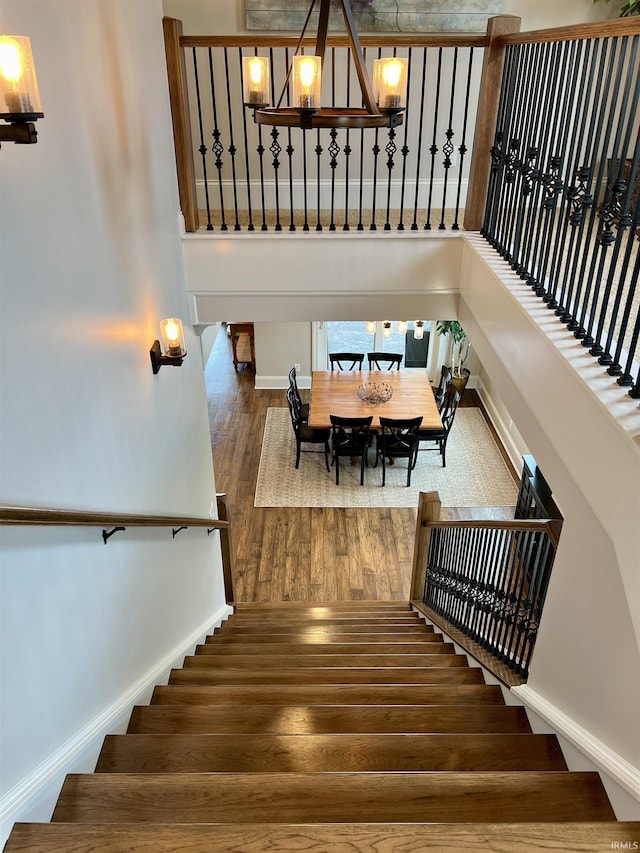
{"x": 293, "y": 383}
{"x": 385, "y": 360}
{"x": 441, "y": 436}
{"x": 346, "y": 360}
{"x": 350, "y": 437}
{"x": 398, "y": 439}
{"x": 303, "y": 433}
{"x": 441, "y": 390}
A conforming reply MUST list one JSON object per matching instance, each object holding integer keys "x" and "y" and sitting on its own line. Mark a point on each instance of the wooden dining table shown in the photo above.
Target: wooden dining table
{"x": 335, "y": 392}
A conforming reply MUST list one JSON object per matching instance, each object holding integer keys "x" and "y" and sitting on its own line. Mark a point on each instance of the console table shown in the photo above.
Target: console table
{"x": 242, "y": 342}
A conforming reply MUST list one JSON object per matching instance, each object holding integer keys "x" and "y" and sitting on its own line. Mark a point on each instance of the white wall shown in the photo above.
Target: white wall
{"x": 91, "y": 261}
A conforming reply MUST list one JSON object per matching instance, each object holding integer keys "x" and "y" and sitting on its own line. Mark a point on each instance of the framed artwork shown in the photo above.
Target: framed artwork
{"x": 377, "y": 16}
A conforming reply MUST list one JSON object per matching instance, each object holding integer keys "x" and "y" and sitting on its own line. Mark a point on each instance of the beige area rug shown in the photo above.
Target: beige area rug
{"x": 476, "y": 474}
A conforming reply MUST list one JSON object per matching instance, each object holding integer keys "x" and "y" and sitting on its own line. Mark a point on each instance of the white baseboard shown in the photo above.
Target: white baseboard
{"x": 20, "y": 802}
{"x": 603, "y": 757}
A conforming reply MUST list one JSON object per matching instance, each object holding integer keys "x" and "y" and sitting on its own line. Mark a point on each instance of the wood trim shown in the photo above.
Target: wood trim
{"x": 601, "y": 29}
{"x": 486, "y": 118}
{"x": 181, "y": 120}
{"x": 428, "y": 515}
{"x": 541, "y": 524}
{"x": 416, "y": 40}
{"x": 499, "y": 670}
{"x": 40, "y": 516}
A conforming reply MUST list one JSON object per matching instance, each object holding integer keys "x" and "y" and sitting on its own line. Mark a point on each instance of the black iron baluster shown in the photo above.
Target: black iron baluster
{"x": 462, "y": 148}
{"x": 414, "y": 224}
{"x": 434, "y": 148}
{"x": 390, "y": 149}
{"x": 405, "y": 150}
{"x": 232, "y": 148}
{"x": 626, "y": 377}
{"x": 589, "y": 246}
{"x": 333, "y": 148}
{"x": 448, "y": 148}
{"x": 375, "y": 151}
{"x": 290, "y": 151}
{"x": 318, "y": 150}
{"x": 203, "y": 148}
{"x": 347, "y": 154}
{"x": 246, "y": 147}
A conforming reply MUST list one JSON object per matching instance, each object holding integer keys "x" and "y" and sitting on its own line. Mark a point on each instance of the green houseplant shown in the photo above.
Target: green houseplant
{"x": 459, "y": 349}
{"x": 632, "y": 7}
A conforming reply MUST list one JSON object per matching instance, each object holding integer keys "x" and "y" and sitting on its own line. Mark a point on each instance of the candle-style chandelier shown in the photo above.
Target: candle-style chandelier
{"x": 384, "y": 101}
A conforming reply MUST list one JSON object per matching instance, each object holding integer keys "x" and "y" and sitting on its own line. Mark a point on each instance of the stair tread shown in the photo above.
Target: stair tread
{"x": 303, "y": 638}
{"x": 314, "y": 648}
{"x": 333, "y": 797}
{"x": 191, "y": 753}
{"x": 355, "y": 838}
{"x": 379, "y": 694}
{"x": 228, "y": 629}
{"x": 321, "y": 719}
{"x": 436, "y": 657}
{"x": 344, "y": 618}
{"x": 248, "y": 606}
{"x": 329, "y": 675}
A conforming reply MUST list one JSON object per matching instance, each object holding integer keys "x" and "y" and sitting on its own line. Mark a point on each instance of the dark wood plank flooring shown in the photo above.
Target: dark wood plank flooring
{"x": 301, "y": 554}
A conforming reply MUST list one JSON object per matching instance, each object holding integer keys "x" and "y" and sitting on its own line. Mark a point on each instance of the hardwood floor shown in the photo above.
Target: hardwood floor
{"x": 301, "y": 554}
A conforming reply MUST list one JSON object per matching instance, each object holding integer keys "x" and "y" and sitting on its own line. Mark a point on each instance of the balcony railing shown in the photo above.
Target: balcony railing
{"x": 243, "y": 177}
{"x": 563, "y": 205}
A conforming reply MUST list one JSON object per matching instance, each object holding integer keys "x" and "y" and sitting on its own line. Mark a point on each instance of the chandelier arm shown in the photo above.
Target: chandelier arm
{"x": 323, "y": 29}
{"x": 358, "y": 58}
{"x": 295, "y": 53}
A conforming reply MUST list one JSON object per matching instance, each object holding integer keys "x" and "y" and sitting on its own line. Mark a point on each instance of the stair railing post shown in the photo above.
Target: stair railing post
{"x": 428, "y": 512}
{"x": 225, "y": 547}
{"x": 486, "y": 118}
{"x": 181, "y": 120}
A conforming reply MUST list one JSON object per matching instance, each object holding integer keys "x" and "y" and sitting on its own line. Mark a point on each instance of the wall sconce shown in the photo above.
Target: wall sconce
{"x": 371, "y": 327}
{"x": 403, "y": 325}
{"x": 418, "y": 330}
{"x": 19, "y": 95}
{"x": 386, "y": 328}
{"x": 173, "y": 349}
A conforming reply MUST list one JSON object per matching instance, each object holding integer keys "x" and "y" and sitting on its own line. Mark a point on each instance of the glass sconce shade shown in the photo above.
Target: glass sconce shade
{"x": 403, "y": 325}
{"x": 172, "y": 335}
{"x": 19, "y": 93}
{"x": 386, "y": 328}
{"x": 390, "y": 83}
{"x": 255, "y": 78}
{"x": 307, "y": 82}
{"x": 371, "y": 327}
{"x": 418, "y": 330}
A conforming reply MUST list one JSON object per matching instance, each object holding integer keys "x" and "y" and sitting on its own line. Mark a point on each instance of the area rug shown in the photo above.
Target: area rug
{"x": 476, "y": 474}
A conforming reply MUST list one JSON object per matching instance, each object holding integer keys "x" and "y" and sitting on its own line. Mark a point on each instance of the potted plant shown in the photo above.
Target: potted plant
{"x": 459, "y": 351}
{"x": 632, "y": 7}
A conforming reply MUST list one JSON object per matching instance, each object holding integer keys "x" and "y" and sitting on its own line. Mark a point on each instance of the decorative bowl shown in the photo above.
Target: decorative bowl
{"x": 375, "y": 392}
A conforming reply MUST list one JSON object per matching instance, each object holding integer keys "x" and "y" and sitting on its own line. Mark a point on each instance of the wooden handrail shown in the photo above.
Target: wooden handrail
{"x": 601, "y": 29}
{"x": 40, "y": 516}
{"x": 400, "y": 40}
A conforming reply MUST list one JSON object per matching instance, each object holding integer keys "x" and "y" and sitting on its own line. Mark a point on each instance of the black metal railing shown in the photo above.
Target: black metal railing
{"x": 250, "y": 177}
{"x": 489, "y": 581}
{"x": 563, "y": 205}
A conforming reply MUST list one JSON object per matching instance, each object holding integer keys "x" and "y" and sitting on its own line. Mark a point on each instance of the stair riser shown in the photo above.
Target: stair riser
{"x": 238, "y": 648}
{"x": 380, "y": 694}
{"x": 208, "y": 659}
{"x": 385, "y": 675}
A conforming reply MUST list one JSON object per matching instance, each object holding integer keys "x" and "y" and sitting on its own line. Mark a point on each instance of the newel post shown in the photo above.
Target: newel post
{"x": 428, "y": 511}
{"x": 180, "y": 117}
{"x": 486, "y": 118}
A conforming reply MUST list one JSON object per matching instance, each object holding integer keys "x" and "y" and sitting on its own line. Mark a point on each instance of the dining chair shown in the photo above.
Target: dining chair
{"x": 305, "y": 434}
{"x": 342, "y": 358}
{"x": 398, "y": 439}
{"x": 445, "y": 379}
{"x": 440, "y": 436}
{"x": 350, "y": 437}
{"x": 385, "y": 360}
{"x": 293, "y": 383}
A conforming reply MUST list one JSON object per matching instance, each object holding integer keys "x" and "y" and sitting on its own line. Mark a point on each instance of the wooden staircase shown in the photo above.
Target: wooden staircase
{"x": 339, "y": 727}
